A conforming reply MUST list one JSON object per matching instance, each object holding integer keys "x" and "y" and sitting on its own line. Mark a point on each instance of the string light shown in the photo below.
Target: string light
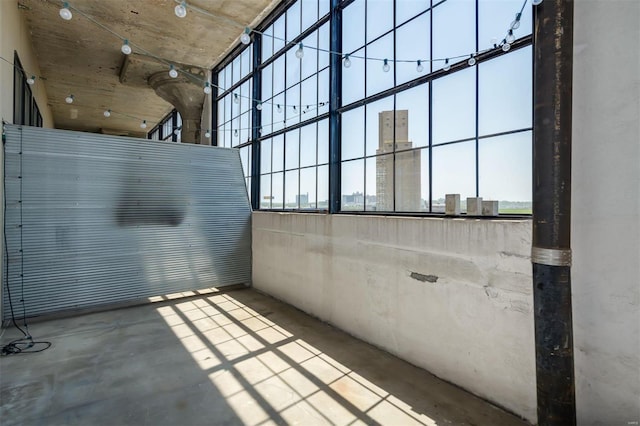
{"x": 236, "y": 99}
{"x": 207, "y": 87}
{"x": 245, "y": 38}
{"x": 419, "y": 67}
{"x": 207, "y": 134}
{"x": 65, "y": 13}
{"x": 471, "y": 61}
{"x": 181, "y": 10}
{"x": 279, "y": 108}
{"x": 506, "y": 47}
{"x": 536, "y": 2}
{"x": 235, "y": 133}
{"x": 347, "y": 61}
{"x": 143, "y": 125}
{"x": 177, "y": 131}
{"x": 516, "y": 22}
{"x": 510, "y": 37}
{"x": 69, "y": 99}
{"x": 447, "y": 65}
{"x": 172, "y": 72}
{"x": 31, "y": 80}
{"x": 126, "y": 49}
{"x": 300, "y": 51}
{"x": 385, "y": 66}
{"x": 259, "y": 106}
{"x": 107, "y": 113}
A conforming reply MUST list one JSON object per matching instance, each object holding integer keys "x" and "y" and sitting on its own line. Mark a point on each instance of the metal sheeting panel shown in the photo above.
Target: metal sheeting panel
{"x": 94, "y": 219}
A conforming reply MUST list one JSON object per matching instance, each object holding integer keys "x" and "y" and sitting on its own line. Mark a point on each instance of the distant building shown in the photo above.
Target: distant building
{"x": 302, "y": 200}
{"x": 407, "y": 165}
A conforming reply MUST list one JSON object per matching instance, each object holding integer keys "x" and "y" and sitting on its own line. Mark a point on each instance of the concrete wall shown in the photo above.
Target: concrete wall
{"x": 14, "y": 36}
{"x": 473, "y": 326}
{"x": 606, "y": 211}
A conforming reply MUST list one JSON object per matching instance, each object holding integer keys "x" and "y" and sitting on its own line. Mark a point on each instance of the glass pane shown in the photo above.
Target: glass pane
{"x": 412, "y": 43}
{"x": 377, "y": 79}
{"x": 495, "y": 17}
{"x": 454, "y": 172}
{"x": 265, "y": 191}
{"x": 380, "y": 126}
{"x": 307, "y": 198}
{"x": 309, "y": 13}
{"x": 266, "y": 118}
{"x": 324, "y": 7}
{"x": 227, "y": 107}
{"x": 278, "y": 112}
{"x": 221, "y": 136}
{"x": 248, "y": 185}
{"x": 323, "y": 92}
{"x": 353, "y": 134}
{"x": 353, "y": 79}
{"x": 267, "y": 43}
{"x": 412, "y": 107}
{"x": 323, "y": 43}
{"x": 308, "y": 145}
{"x": 292, "y": 111}
{"x": 245, "y": 131}
{"x": 454, "y": 106}
{"x": 265, "y": 156}
{"x": 505, "y": 93}
{"x": 277, "y": 190}
{"x": 323, "y": 187}
{"x": 379, "y": 18}
{"x": 221, "y": 82}
{"x": 228, "y": 77}
{"x": 293, "y": 21}
{"x": 278, "y": 75}
{"x": 277, "y": 159}
{"x": 245, "y": 61}
{"x": 291, "y": 189}
{"x": 353, "y": 26}
{"x": 353, "y": 185}
{"x": 293, "y": 67}
{"x": 309, "y": 100}
{"x": 379, "y": 183}
{"x": 244, "y": 158}
{"x": 310, "y": 59}
{"x": 407, "y": 9}
{"x": 236, "y": 70}
{"x": 267, "y": 88}
{"x": 292, "y": 154}
{"x": 454, "y": 29}
{"x": 278, "y": 34}
{"x": 411, "y": 171}
{"x": 505, "y": 171}
{"x": 323, "y": 141}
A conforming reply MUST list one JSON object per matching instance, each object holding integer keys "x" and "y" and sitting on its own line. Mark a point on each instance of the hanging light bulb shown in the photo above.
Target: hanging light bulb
{"x": 259, "y": 106}
{"x": 245, "y": 38}
{"x": 181, "y": 10}
{"x": 306, "y": 108}
{"x": 126, "y": 49}
{"x": 471, "y": 61}
{"x": 536, "y": 2}
{"x": 516, "y": 22}
{"x": 419, "y": 67}
{"x": 143, "y": 125}
{"x": 65, "y": 13}
{"x": 107, "y": 113}
{"x": 510, "y": 37}
{"x": 385, "y": 66}
{"x": 172, "y": 72}
{"x": 31, "y": 80}
{"x": 300, "y": 51}
{"x": 176, "y": 131}
{"x": 207, "y": 134}
{"x": 506, "y": 47}
{"x": 447, "y": 65}
{"x": 235, "y": 133}
{"x": 207, "y": 88}
{"x": 278, "y": 108}
{"x": 347, "y": 61}
{"x": 69, "y": 99}
{"x": 236, "y": 99}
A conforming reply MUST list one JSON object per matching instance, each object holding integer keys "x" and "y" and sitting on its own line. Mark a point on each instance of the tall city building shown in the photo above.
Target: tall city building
{"x": 407, "y": 164}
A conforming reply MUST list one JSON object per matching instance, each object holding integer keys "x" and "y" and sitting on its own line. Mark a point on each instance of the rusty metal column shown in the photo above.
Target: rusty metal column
{"x": 551, "y": 251}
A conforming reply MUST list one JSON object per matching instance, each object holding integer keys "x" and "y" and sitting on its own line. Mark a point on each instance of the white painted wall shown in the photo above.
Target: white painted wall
{"x": 606, "y": 211}
{"x": 472, "y": 327}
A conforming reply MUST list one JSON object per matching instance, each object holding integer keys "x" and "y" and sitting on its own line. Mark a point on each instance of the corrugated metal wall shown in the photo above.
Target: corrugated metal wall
{"x": 93, "y": 219}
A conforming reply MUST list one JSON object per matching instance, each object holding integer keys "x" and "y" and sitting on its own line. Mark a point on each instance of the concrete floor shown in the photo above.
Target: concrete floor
{"x": 236, "y": 357}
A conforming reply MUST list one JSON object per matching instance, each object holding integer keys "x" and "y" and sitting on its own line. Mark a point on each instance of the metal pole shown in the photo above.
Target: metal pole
{"x": 256, "y": 123}
{"x": 335, "y": 71}
{"x": 551, "y": 251}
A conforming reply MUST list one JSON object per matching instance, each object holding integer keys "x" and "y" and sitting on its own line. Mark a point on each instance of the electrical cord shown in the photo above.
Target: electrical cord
{"x": 24, "y": 344}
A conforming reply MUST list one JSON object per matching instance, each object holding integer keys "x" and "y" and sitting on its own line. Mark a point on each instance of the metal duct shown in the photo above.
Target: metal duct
{"x": 95, "y": 219}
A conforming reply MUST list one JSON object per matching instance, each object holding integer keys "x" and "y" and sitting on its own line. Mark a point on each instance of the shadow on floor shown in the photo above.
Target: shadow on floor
{"x": 236, "y": 357}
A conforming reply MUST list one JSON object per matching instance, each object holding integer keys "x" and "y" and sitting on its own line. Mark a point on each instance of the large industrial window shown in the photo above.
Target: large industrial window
{"x": 409, "y": 131}
{"x": 168, "y": 129}
{"x": 25, "y": 108}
